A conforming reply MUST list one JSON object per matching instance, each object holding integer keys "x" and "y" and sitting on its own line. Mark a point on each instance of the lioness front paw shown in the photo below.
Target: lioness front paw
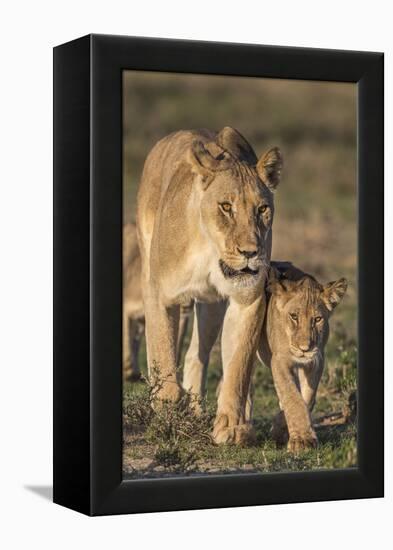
{"x": 169, "y": 391}
{"x": 228, "y": 432}
{"x": 300, "y": 442}
{"x": 195, "y": 404}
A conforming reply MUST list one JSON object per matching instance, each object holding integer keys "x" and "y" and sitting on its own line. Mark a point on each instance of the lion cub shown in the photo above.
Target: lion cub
{"x": 294, "y": 337}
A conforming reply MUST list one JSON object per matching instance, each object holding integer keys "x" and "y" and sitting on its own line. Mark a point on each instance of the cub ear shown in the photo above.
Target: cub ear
{"x": 205, "y": 162}
{"x": 269, "y": 168}
{"x": 274, "y": 283}
{"x": 333, "y": 293}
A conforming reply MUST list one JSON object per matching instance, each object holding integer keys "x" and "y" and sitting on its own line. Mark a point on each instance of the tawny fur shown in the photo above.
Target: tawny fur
{"x": 133, "y": 308}
{"x": 293, "y": 349}
{"x": 292, "y": 344}
{"x": 194, "y": 246}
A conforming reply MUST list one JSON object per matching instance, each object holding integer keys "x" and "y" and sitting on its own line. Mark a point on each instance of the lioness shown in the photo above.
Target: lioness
{"x": 204, "y": 221}
{"x": 295, "y": 332}
{"x": 133, "y": 308}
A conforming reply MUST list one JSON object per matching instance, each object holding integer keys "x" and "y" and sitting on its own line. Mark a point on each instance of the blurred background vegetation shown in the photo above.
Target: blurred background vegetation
{"x": 314, "y": 123}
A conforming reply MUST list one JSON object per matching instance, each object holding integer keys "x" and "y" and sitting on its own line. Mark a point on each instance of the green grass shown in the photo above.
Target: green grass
{"x": 174, "y": 441}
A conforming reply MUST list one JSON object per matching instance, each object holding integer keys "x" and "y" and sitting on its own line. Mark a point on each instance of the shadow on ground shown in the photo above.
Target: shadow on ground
{"x": 44, "y": 491}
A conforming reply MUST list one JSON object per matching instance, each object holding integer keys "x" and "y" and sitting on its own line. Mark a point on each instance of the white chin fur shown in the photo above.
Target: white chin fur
{"x": 305, "y": 360}
{"x": 246, "y": 281}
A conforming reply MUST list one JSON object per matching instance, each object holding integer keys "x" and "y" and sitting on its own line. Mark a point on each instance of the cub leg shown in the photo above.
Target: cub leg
{"x": 279, "y": 427}
{"x": 208, "y": 320}
{"x": 295, "y": 410}
{"x": 309, "y": 378}
{"x": 241, "y": 330}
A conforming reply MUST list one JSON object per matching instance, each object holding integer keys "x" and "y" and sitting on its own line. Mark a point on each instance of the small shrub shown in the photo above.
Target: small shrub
{"x": 137, "y": 408}
{"x": 176, "y": 432}
{"x": 342, "y": 368}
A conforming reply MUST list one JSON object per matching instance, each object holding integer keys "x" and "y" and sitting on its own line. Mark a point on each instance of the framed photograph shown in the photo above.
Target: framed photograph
{"x": 218, "y": 275}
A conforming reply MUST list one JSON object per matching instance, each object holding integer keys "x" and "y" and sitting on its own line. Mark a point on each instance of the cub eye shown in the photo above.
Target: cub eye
{"x": 262, "y": 209}
{"x": 226, "y": 207}
{"x": 318, "y": 319}
{"x": 293, "y": 316}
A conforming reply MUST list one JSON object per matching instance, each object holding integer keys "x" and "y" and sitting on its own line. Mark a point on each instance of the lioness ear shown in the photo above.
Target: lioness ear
{"x": 333, "y": 293}
{"x": 269, "y": 168}
{"x": 232, "y": 140}
{"x": 206, "y": 163}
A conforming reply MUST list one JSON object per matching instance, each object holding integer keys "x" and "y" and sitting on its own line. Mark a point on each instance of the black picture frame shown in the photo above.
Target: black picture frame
{"x": 88, "y": 274}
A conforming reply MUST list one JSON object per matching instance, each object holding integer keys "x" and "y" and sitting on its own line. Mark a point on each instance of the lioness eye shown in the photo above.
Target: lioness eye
{"x": 262, "y": 209}
{"x": 226, "y": 207}
{"x": 293, "y": 316}
{"x": 318, "y": 319}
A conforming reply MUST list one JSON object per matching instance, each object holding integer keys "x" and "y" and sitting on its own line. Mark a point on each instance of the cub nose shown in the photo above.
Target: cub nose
{"x": 248, "y": 253}
{"x": 304, "y": 346}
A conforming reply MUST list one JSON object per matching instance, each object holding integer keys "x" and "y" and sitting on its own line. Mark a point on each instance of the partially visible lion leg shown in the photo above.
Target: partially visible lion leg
{"x": 185, "y": 314}
{"x": 136, "y": 335}
{"x": 250, "y": 402}
{"x": 208, "y": 320}
{"x": 126, "y": 346}
{"x": 297, "y": 416}
{"x": 280, "y": 429}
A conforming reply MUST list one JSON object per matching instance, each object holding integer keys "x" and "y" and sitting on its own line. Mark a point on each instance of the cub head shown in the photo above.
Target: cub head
{"x": 236, "y": 202}
{"x": 303, "y": 308}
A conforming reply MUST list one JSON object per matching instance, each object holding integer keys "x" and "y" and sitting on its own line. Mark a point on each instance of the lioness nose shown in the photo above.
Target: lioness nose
{"x": 248, "y": 253}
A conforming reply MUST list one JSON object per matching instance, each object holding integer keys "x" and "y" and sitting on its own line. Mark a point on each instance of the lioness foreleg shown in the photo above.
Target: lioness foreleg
{"x": 161, "y": 338}
{"x": 295, "y": 410}
{"x": 240, "y": 336}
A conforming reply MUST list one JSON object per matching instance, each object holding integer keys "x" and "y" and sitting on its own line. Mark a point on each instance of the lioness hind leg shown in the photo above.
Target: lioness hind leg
{"x": 132, "y": 333}
{"x": 126, "y": 347}
{"x": 185, "y": 314}
{"x": 136, "y": 335}
{"x": 207, "y": 324}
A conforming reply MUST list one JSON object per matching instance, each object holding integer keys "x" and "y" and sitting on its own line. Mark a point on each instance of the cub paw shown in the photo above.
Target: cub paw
{"x": 300, "y": 442}
{"x": 225, "y": 432}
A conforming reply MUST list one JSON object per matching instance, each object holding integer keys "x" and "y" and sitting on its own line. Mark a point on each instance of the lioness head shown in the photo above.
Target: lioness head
{"x": 237, "y": 202}
{"x": 303, "y": 308}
